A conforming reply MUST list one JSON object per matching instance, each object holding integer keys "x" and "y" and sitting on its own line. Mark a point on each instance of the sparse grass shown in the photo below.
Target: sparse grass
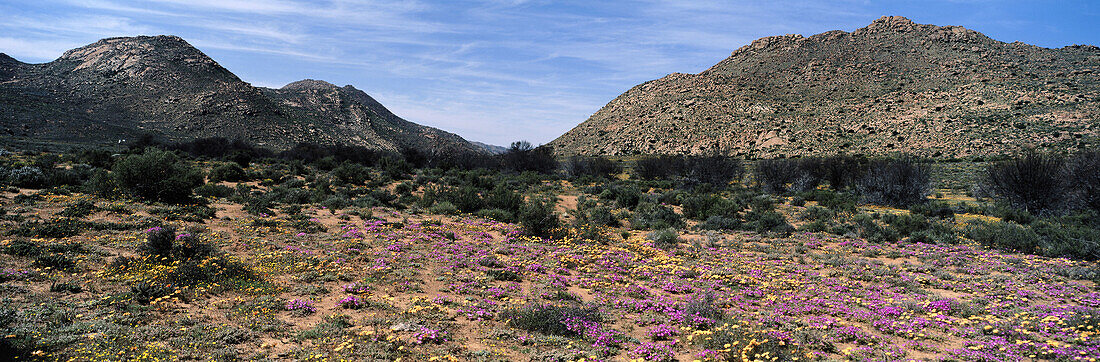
{"x": 720, "y": 266}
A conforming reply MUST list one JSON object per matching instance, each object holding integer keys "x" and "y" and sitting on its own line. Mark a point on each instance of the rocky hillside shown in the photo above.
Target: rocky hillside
{"x": 120, "y": 88}
{"x": 893, "y": 86}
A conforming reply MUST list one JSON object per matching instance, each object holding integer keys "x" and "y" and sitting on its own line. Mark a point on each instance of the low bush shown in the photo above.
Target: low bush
{"x": 231, "y": 172}
{"x": 1033, "y": 182}
{"x": 779, "y": 176}
{"x": 504, "y": 275}
{"x": 550, "y": 319}
{"x": 721, "y": 223}
{"x": 521, "y": 156}
{"x": 214, "y": 191}
{"x": 897, "y": 182}
{"x": 598, "y": 167}
{"x": 27, "y": 177}
{"x": 443, "y": 208}
{"x": 662, "y": 167}
{"x": 872, "y": 231}
{"x": 78, "y": 209}
{"x": 1003, "y": 235}
{"x": 763, "y": 218}
{"x": 159, "y": 241}
{"x": 906, "y": 224}
{"x": 817, "y": 213}
{"x": 497, "y": 214}
{"x": 54, "y": 261}
{"x": 538, "y": 218}
{"x": 101, "y": 183}
{"x": 351, "y": 173}
{"x": 157, "y": 175}
{"x": 936, "y": 209}
{"x": 23, "y": 248}
{"x": 703, "y": 207}
{"x": 664, "y": 238}
{"x": 655, "y": 216}
{"x": 55, "y": 228}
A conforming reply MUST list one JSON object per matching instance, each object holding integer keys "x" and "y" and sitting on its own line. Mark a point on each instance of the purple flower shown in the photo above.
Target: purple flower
{"x": 300, "y": 305}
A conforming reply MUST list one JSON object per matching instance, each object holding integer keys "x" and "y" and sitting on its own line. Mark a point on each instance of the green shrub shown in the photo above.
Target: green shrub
{"x": 214, "y": 191}
{"x": 589, "y": 213}
{"x": 549, "y": 319}
{"x": 655, "y": 216}
{"x": 721, "y": 223}
{"x": 664, "y": 238}
{"x": 231, "y": 172}
{"x": 144, "y": 293}
{"x": 192, "y": 213}
{"x": 816, "y": 213}
{"x": 504, "y": 275}
{"x": 872, "y": 231}
{"x": 443, "y": 208}
{"x": 1068, "y": 238}
{"x": 763, "y": 218}
{"x": 497, "y": 214}
{"x": 102, "y": 184}
{"x": 78, "y": 209}
{"x": 906, "y": 224}
{"x": 1008, "y": 213}
{"x": 159, "y": 241}
{"x": 836, "y": 201}
{"x": 501, "y": 197}
{"x": 158, "y": 176}
{"x": 351, "y": 173}
{"x": 1003, "y": 235}
{"x": 772, "y": 222}
{"x": 54, "y": 261}
{"x": 23, "y": 248}
{"x": 815, "y": 226}
{"x": 936, "y": 209}
{"x": 55, "y": 228}
{"x": 538, "y": 218}
{"x": 703, "y": 207}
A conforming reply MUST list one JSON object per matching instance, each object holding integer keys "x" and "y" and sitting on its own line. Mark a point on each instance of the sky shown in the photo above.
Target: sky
{"x": 497, "y": 71}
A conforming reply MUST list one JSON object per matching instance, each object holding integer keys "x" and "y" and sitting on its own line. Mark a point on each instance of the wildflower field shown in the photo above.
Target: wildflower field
{"x": 796, "y": 277}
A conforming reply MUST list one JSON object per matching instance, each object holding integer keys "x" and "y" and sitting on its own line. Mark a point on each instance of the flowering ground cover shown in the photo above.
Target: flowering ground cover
{"x": 396, "y": 285}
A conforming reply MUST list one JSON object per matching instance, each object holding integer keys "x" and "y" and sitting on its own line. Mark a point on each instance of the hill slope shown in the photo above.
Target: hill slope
{"x": 120, "y": 88}
{"x": 893, "y": 86}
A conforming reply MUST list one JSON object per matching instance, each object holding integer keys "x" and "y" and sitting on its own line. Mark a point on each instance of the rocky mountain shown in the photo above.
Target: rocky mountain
{"x": 120, "y": 88}
{"x": 893, "y": 86}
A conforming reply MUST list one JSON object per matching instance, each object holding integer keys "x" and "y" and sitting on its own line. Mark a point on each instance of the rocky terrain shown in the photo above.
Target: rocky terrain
{"x": 118, "y": 89}
{"x": 891, "y": 87}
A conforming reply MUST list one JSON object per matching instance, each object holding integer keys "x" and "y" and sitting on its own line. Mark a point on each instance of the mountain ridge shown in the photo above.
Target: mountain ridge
{"x": 894, "y": 86}
{"x": 123, "y": 87}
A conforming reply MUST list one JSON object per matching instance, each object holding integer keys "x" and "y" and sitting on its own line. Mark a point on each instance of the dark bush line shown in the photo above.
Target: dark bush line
{"x": 715, "y": 170}
{"x": 896, "y": 182}
{"x": 597, "y": 167}
{"x": 1045, "y": 184}
{"x": 780, "y": 176}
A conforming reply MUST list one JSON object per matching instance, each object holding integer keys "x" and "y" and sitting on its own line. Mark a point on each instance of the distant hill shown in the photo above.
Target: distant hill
{"x": 493, "y": 149}
{"x": 893, "y": 86}
{"x": 120, "y": 88}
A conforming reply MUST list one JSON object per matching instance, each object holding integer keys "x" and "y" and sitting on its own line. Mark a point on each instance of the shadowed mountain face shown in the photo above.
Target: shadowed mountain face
{"x": 893, "y": 86}
{"x": 120, "y": 88}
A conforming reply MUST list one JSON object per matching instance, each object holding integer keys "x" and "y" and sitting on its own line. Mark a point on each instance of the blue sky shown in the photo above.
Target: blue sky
{"x": 498, "y": 70}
